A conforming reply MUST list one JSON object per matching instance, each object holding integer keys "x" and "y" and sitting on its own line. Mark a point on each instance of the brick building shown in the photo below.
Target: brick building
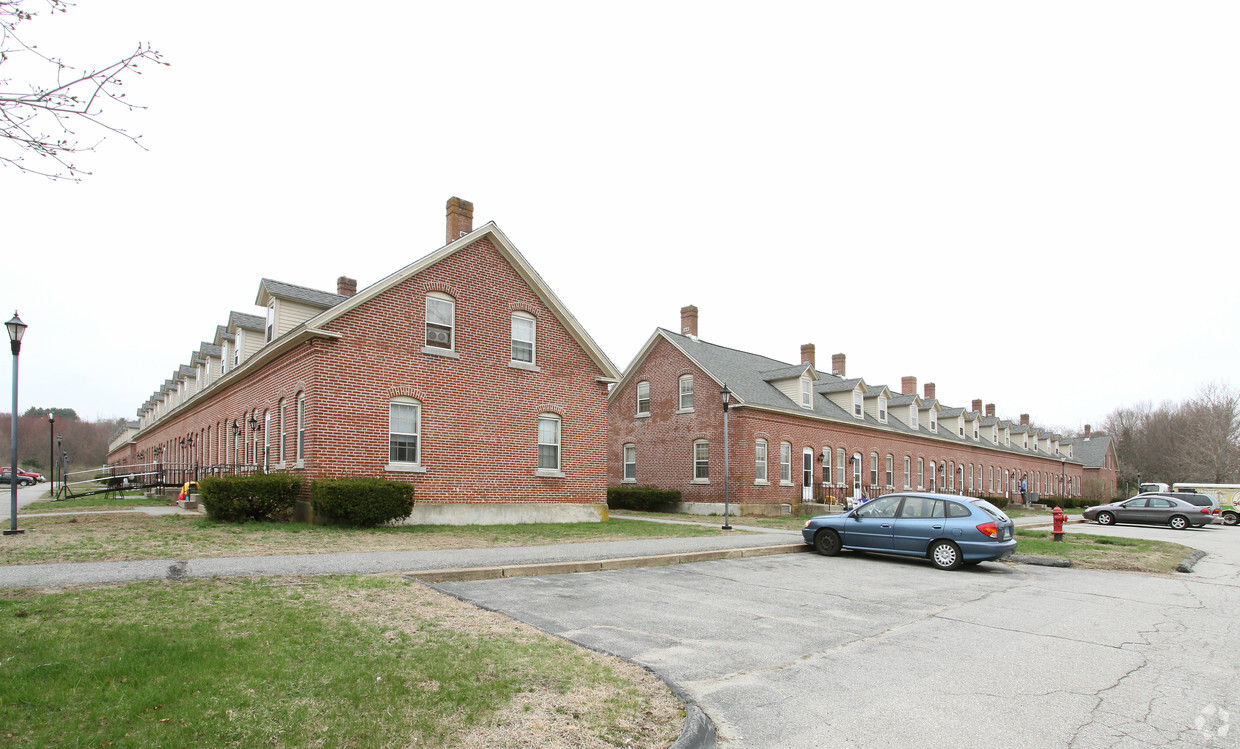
{"x": 461, "y": 373}
{"x": 798, "y": 434}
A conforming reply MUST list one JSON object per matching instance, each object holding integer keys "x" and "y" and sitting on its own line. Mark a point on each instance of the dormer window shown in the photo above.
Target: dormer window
{"x": 271, "y": 321}
{"x": 912, "y": 416}
{"x": 961, "y": 423}
{"x": 975, "y": 432}
{"x": 237, "y": 348}
{"x": 934, "y": 426}
{"x": 882, "y": 408}
{"x": 807, "y": 395}
{"x": 857, "y": 403}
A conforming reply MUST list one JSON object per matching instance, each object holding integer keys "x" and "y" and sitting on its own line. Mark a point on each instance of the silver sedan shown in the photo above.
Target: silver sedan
{"x": 1152, "y": 510}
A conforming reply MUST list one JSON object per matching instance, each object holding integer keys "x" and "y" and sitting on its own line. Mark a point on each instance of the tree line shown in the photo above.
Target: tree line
{"x": 1197, "y": 440}
{"x": 85, "y": 442}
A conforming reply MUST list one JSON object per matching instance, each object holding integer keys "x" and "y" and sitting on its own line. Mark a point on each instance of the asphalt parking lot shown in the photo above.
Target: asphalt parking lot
{"x": 799, "y": 650}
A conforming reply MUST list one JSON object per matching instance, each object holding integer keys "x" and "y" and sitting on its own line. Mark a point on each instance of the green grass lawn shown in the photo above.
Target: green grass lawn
{"x": 1103, "y": 552}
{"x": 336, "y": 661}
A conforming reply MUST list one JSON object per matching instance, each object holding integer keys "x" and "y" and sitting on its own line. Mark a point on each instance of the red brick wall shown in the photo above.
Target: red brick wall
{"x": 479, "y": 416}
{"x": 664, "y": 443}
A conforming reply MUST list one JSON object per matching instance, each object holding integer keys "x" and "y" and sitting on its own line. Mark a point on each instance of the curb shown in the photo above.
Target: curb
{"x": 1190, "y": 561}
{"x": 469, "y": 574}
{"x": 1040, "y": 561}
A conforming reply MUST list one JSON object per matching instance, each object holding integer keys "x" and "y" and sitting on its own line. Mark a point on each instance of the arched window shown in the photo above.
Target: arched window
{"x": 701, "y": 461}
{"x": 523, "y": 337}
{"x": 440, "y": 321}
{"x": 785, "y": 462}
{"x": 405, "y": 431}
{"x": 759, "y": 461}
{"x": 839, "y": 466}
{"x": 630, "y": 462}
{"x": 921, "y": 473}
{"x": 266, "y": 440}
{"x": 889, "y": 475}
{"x": 301, "y": 427}
{"x": 826, "y": 465}
{"x": 549, "y": 428}
{"x": 873, "y": 469}
{"x": 686, "y": 393}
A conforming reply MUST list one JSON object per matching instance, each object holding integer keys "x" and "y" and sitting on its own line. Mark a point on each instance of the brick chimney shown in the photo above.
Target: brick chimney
{"x": 460, "y": 218}
{"x": 990, "y": 410}
{"x": 929, "y": 391}
{"x": 1024, "y": 420}
{"x": 346, "y": 286}
{"x": 837, "y": 365}
{"x": 688, "y": 320}
{"x": 977, "y": 404}
{"x": 1087, "y": 432}
{"x": 908, "y": 386}
{"x": 807, "y": 354}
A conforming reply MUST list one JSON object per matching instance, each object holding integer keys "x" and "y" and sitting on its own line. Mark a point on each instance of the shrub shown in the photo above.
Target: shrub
{"x": 262, "y": 496}
{"x": 361, "y": 501}
{"x": 1000, "y": 502}
{"x": 642, "y": 498}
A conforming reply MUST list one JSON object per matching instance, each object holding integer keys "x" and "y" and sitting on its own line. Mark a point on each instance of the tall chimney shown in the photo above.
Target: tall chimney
{"x": 460, "y": 218}
{"x": 1024, "y": 420}
{"x": 990, "y": 410}
{"x": 688, "y": 320}
{"x": 837, "y": 365}
{"x": 346, "y": 286}
{"x": 929, "y": 389}
{"x": 908, "y": 386}
{"x": 807, "y": 354}
{"x": 1086, "y": 431}
{"x": 977, "y": 405}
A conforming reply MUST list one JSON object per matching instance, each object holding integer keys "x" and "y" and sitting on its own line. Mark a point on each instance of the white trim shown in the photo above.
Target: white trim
{"x": 440, "y": 352}
{"x": 405, "y": 468}
{"x": 520, "y": 365}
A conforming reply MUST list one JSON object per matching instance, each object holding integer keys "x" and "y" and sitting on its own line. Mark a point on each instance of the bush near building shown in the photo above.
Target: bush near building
{"x": 262, "y": 496}
{"x": 361, "y": 501}
{"x": 642, "y": 498}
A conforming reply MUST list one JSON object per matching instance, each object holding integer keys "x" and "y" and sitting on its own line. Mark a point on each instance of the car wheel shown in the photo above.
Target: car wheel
{"x": 827, "y": 542}
{"x": 1231, "y": 518}
{"x": 946, "y": 555}
{"x": 1178, "y": 522}
{"x": 1106, "y": 518}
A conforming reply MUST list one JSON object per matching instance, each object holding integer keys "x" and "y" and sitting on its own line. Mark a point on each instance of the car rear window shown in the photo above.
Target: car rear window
{"x": 990, "y": 509}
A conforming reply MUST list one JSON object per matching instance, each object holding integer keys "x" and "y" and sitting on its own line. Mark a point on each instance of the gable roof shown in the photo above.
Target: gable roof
{"x": 269, "y": 288}
{"x": 248, "y": 322}
{"x": 1093, "y": 451}
{"x": 514, "y": 258}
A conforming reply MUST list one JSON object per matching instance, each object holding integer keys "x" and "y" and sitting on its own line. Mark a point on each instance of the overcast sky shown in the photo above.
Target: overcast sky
{"x": 1034, "y": 204}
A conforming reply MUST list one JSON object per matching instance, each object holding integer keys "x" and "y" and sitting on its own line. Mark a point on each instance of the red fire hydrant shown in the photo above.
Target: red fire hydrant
{"x": 1058, "y": 517}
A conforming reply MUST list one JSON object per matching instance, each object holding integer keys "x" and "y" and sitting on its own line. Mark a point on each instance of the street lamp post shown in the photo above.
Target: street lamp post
{"x": 60, "y": 461}
{"x": 16, "y": 329}
{"x": 51, "y": 449}
{"x": 727, "y": 395}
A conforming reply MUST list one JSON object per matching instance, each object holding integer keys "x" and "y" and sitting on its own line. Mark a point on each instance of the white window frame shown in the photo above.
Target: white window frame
{"x": 643, "y": 386}
{"x": 912, "y": 414}
{"x": 701, "y": 462}
{"x": 237, "y": 339}
{"x": 882, "y": 409}
{"x": 685, "y": 401}
{"x": 629, "y": 459}
{"x": 921, "y": 473}
{"x": 266, "y": 440}
{"x": 271, "y": 322}
{"x": 785, "y": 464}
{"x": 400, "y": 403}
{"x": 761, "y": 457}
{"x": 282, "y": 407}
{"x": 858, "y": 404}
{"x": 807, "y": 393}
{"x": 826, "y": 465}
{"x": 532, "y": 341}
{"x": 434, "y": 299}
{"x": 890, "y": 473}
{"x": 908, "y": 472}
{"x": 558, "y": 443}
{"x": 873, "y": 469}
{"x": 841, "y": 466}
{"x": 301, "y": 429}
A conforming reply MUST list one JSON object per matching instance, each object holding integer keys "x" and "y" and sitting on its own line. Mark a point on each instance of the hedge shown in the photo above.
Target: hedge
{"x": 262, "y": 496}
{"x": 642, "y": 498}
{"x": 361, "y": 501}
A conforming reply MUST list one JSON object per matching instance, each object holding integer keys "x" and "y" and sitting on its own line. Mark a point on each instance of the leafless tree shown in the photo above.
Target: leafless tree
{"x": 48, "y": 117}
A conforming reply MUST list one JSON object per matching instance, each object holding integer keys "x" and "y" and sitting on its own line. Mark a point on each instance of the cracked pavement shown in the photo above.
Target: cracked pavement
{"x": 861, "y": 650}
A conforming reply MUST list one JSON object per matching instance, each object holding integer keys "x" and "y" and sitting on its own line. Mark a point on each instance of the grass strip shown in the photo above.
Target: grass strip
{"x": 1104, "y": 552}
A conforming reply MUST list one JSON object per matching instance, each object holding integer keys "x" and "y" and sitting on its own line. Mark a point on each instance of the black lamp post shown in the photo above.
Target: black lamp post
{"x": 60, "y": 460}
{"x": 727, "y": 396}
{"x": 16, "y": 329}
{"x": 51, "y": 448}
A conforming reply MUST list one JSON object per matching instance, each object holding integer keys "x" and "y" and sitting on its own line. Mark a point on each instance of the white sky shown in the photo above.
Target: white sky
{"x": 1034, "y": 204}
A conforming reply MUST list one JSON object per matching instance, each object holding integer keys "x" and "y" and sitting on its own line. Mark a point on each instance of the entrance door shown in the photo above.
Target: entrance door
{"x": 856, "y": 461}
{"x": 807, "y": 475}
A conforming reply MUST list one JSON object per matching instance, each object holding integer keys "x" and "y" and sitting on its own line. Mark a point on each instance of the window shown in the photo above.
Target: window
{"x": 873, "y": 469}
{"x": 266, "y": 440}
{"x": 404, "y": 431}
{"x": 807, "y": 395}
{"x": 839, "y": 466}
{"x": 934, "y": 427}
{"x": 970, "y": 477}
{"x": 630, "y": 462}
{"x": 224, "y": 359}
{"x": 701, "y": 461}
{"x": 785, "y": 462}
{"x": 759, "y": 459}
{"x": 826, "y": 465}
{"x": 992, "y": 479}
{"x": 686, "y": 393}
{"x": 271, "y": 321}
{"x": 237, "y": 349}
{"x": 440, "y": 320}
{"x": 548, "y": 442}
{"x": 921, "y": 472}
{"x": 643, "y": 399}
{"x": 857, "y": 403}
{"x": 951, "y": 478}
{"x": 523, "y": 337}
{"x": 282, "y": 450}
{"x": 882, "y": 408}
{"x": 301, "y": 427}
{"x": 912, "y": 416}
{"x": 975, "y": 432}
{"x": 890, "y": 473}
{"x": 908, "y": 472}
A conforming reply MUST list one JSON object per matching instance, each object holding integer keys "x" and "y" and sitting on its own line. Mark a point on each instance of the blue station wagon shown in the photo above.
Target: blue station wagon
{"x": 949, "y": 530}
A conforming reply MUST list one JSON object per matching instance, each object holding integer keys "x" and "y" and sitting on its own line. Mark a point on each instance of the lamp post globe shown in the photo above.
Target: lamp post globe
{"x": 16, "y": 330}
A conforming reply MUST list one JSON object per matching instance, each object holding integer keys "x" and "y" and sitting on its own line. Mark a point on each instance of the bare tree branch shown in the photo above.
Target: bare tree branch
{"x": 45, "y": 120}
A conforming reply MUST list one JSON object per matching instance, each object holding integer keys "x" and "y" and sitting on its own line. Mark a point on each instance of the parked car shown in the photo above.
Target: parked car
{"x": 24, "y": 478}
{"x": 949, "y": 530}
{"x": 1154, "y": 509}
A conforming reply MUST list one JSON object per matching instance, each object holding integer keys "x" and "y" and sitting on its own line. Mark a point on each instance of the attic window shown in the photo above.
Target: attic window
{"x": 912, "y": 416}
{"x": 857, "y": 403}
{"x": 271, "y": 320}
{"x": 882, "y": 408}
{"x": 807, "y": 395}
